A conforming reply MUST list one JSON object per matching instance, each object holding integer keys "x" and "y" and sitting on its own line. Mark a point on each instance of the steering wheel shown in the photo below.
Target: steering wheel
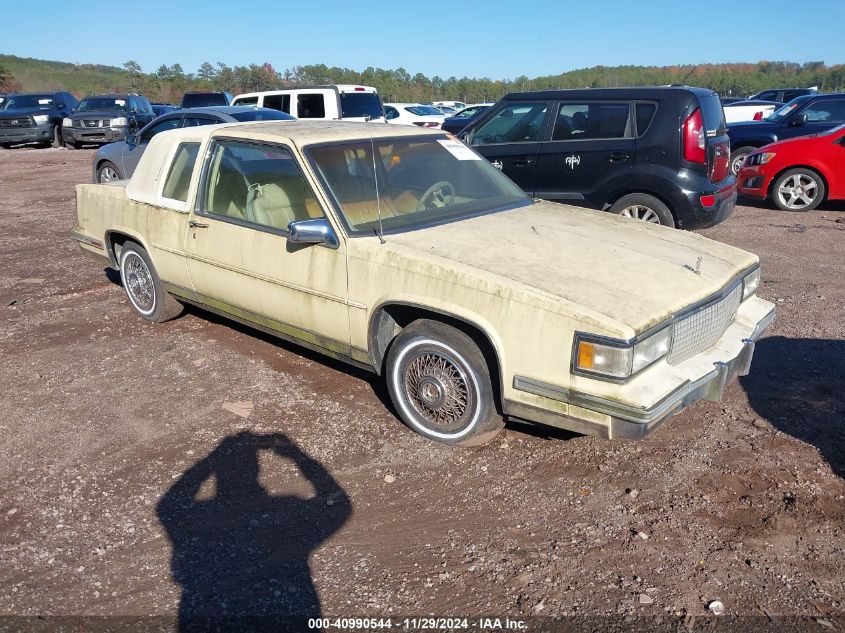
{"x": 435, "y": 195}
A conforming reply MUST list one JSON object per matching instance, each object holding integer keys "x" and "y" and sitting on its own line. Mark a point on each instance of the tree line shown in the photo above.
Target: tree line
{"x": 168, "y": 83}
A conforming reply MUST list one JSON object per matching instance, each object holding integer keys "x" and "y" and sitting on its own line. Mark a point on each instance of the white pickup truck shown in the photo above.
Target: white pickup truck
{"x": 405, "y": 252}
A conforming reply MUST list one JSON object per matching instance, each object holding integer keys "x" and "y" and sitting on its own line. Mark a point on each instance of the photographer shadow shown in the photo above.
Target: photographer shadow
{"x": 797, "y": 385}
{"x": 241, "y": 555}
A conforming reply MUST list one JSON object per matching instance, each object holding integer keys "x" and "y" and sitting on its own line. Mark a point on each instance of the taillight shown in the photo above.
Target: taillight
{"x": 694, "y": 145}
{"x": 426, "y": 123}
{"x": 758, "y": 116}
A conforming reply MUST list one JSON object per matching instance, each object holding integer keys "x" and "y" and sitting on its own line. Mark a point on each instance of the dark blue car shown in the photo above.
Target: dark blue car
{"x": 809, "y": 114}
{"x": 462, "y": 118}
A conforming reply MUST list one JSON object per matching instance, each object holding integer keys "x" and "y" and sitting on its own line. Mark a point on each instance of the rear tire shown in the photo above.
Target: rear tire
{"x": 641, "y": 206}
{"x": 440, "y": 385}
{"x": 738, "y": 157}
{"x": 798, "y": 189}
{"x": 143, "y": 287}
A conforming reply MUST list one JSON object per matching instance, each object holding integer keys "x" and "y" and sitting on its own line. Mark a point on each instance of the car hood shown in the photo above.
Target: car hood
{"x": 18, "y": 112}
{"x": 589, "y": 262}
{"x": 98, "y": 114}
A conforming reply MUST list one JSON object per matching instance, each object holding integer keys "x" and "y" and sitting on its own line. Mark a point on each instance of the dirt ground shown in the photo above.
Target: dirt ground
{"x": 198, "y": 468}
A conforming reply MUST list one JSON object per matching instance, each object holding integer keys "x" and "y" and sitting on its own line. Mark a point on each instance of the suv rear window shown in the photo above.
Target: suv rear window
{"x": 310, "y": 106}
{"x": 714, "y": 116}
{"x": 360, "y": 104}
{"x": 203, "y": 99}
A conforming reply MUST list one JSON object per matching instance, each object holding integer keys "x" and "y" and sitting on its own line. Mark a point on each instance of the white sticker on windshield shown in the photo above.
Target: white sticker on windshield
{"x": 459, "y": 150}
{"x": 45, "y": 101}
{"x": 120, "y": 102}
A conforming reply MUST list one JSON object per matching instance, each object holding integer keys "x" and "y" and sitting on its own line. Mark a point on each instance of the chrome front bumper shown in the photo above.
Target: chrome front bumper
{"x": 633, "y": 422}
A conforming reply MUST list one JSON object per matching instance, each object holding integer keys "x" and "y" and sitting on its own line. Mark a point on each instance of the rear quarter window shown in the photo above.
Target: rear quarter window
{"x": 179, "y": 178}
{"x": 714, "y": 116}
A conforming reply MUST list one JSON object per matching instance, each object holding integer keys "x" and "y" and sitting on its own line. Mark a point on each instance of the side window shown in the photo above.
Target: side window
{"x": 645, "y": 114}
{"x": 390, "y": 112}
{"x": 790, "y": 95}
{"x": 576, "y": 121}
{"x": 161, "y": 126}
{"x": 769, "y": 95}
{"x": 310, "y": 106}
{"x": 246, "y": 100}
{"x": 822, "y": 112}
{"x": 515, "y": 123}
{"x": 179, "y": 177}
{"x": 196, "y": 121}
{"x": 278, "y": 102}
{"x": 259, "y": 184}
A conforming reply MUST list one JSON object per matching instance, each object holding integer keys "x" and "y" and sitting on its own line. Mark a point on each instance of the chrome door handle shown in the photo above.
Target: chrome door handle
{"x": 197, "y": 225}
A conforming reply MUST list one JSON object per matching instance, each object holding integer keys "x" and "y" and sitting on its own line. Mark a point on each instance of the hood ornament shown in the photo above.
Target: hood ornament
{"x": 697, "y": 269}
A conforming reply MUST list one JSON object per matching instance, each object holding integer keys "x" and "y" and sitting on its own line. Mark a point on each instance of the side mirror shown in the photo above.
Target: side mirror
{"x": 317, "y": 231}
{"x": 798, "y": 121}
{"x": 60, "y": 106}
{"x": 131, "y": 139}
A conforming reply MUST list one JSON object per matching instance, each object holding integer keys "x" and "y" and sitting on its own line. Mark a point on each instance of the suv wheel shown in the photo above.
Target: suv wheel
{"x": 71, "y": 145}
{"x": 641, "y": 206}
{"x": 798, "y": 190}
{"x": 440, "y": 384}
{"x": 738, "y": 157}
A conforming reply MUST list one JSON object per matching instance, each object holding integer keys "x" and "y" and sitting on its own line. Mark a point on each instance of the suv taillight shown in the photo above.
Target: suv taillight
{"x": 694, "y": 146}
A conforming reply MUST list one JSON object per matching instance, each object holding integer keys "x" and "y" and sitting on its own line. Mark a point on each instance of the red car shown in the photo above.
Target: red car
{"x": 797, "y": 173}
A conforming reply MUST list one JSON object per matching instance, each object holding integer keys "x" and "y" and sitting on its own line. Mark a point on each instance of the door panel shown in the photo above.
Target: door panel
{"x": 239, "y": 259}
{"x": 590, "y": 144}
{"x": 511, "y": 138}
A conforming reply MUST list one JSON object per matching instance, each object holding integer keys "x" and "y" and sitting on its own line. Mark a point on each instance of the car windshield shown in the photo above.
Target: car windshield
{"x": 262, "y": 114}
{"x": 420, "y": 181}
{"x": 360, "y": 104}
{"x": 44, "y": 102}
{"x": 423, "y": 110}
{"x": 785, "y": 110}
{"x": 102, "y": 103}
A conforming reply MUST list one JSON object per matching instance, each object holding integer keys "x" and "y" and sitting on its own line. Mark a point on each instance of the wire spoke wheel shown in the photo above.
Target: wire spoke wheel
{"x": 139, "y": 283}
{"x": 640, "y": 212}
{"x": 438, "y": 389}
{"x": 798, "y": 191}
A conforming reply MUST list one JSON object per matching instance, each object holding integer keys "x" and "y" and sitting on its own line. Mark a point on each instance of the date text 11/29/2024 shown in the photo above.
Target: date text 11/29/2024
{"x": 418, "y": 624}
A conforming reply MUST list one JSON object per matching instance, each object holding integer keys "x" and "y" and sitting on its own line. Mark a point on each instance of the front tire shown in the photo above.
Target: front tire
{"x": 107, "y": 172}
{"x": 144, "y": 288}
{"x": 798, "y": 190}
{"x": 440, "y": 384}
{"x": 641, "y": 206}
{"x": 738, "y": 157}
{"x": 57, "y": 136}
{"x": 71, "y": 145}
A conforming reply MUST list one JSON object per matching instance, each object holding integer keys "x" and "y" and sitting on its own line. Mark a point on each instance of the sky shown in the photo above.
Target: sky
{"x": 482, "y": 38}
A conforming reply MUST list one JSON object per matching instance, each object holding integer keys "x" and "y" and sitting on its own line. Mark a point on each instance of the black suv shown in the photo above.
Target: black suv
{"x": 102, "y": 119}
{"x": 655, "y": 154}
{"x": 810, "y": 114}
{"x": 34, "y": 117}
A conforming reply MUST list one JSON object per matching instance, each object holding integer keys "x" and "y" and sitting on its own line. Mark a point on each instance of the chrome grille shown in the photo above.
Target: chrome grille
{"x": 15, "y": 123}
{"x": 91, "y": 123}
{"x": 700, "y": 330}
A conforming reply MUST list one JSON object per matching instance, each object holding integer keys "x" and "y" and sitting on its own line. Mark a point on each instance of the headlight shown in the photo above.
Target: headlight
{"x": 760, "y": 159}
{"x": 67, "y": 122}
{"x": 119, "y": 122}
{"x": 41, "y": 118}
{"x": 619, "y": 359}
{"x": 750, "y": 283}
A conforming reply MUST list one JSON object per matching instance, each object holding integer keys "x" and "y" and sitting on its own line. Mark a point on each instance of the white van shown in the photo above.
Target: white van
{"x": 347, "y": 102}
